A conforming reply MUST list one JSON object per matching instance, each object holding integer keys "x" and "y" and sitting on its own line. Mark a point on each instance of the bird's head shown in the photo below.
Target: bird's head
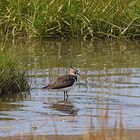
{"x": 74, "y": 72}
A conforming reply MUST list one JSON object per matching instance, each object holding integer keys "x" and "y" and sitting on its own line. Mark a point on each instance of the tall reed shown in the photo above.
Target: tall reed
{"x": 70, "y": 18}
{"x": 12, "y": 75}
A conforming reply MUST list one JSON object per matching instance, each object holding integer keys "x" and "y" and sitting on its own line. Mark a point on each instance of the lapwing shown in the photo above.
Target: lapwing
{"x": 65, "y": 83}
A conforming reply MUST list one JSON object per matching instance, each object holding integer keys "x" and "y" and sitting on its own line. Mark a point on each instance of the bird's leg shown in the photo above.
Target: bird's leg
{"x": 67, "y": 96}
{"x": 64, "y": 95}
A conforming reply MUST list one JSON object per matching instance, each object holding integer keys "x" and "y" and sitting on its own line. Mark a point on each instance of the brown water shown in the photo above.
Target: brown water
{"x": 110, "y": 80}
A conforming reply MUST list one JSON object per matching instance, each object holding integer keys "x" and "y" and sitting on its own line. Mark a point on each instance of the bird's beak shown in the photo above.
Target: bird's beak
{"x": 78, "y": 74}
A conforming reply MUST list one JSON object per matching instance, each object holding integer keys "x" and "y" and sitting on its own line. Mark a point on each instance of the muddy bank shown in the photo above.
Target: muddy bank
{"x": 128, "y": 134}
{"x": 43, "y": 137}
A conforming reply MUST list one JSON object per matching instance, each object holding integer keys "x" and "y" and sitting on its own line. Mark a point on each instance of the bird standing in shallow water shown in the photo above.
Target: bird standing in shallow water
{"x": 65, "y": 83}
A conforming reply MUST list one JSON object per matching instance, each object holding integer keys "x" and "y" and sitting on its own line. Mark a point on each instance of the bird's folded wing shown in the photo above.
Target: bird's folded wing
{"x": 63, "y": 82}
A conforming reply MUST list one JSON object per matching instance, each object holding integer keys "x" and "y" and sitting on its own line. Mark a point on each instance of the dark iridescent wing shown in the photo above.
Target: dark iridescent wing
{"x": 63, "y": 82}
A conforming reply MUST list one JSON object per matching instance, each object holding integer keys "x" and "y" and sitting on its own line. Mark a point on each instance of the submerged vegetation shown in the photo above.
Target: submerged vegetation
{"x": 70, "y": 18}
{"x": 12, "y": 76}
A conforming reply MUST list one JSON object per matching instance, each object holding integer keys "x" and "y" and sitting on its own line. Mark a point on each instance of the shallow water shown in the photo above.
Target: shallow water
{"x": 109, "y": 84}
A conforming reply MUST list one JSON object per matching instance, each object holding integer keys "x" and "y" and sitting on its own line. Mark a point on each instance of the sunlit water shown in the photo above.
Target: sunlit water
{"x": 109, "y": 82}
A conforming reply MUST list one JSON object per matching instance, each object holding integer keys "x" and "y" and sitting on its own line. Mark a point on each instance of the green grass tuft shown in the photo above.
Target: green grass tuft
{"x": 12, "y": 75}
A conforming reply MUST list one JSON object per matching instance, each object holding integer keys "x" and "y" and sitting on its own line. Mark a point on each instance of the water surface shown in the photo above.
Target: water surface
{"x": 109, "y": 82}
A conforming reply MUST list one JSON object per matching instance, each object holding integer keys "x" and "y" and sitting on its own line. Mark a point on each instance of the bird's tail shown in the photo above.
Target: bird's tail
{"x": 46, "y": 87}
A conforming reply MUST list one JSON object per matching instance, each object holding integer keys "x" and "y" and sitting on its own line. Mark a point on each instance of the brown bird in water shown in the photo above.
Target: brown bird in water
{"x": 65, "y": 83}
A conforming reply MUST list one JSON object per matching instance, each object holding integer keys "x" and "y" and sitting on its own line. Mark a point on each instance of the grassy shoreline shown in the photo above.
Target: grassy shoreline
{"x": 72, "y": 18}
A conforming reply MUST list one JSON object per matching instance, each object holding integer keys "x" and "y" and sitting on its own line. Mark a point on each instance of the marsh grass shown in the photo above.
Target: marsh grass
{"x": 12, "y": 76}
{"x": 70, "y": 18}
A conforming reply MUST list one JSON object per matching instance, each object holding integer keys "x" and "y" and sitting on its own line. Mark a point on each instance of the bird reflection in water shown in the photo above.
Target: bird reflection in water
{"x": 65, "y": 106}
